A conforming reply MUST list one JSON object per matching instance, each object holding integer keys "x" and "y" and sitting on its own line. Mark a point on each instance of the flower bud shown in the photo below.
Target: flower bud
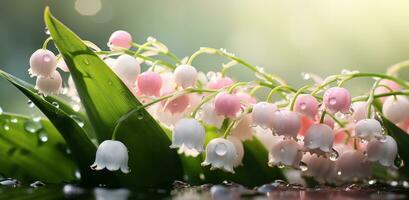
{"x": 49, "y": 84}
{"x": 150, "y": 83}
{"x": 286, "y": 123}
{"x": 220, "y": 82}
{"x": 220, "y": 154}
{"x": 185, "y": 76}
{"x": 209, "y": 116}
{"x": 319, "y": 139}
{"x": 127, "y": 68}
{"x": 120, "y": 39}
{"x": 227, "y": 105}
{"x": 306, "y": 104}
{"x": 396, "y": 108}
{"x": 337, "y": 99}
{"x": 285, "y": 153}
{"x": 42, "y": 63}
{"x": 243, "y": 130}
{"x": 383, "y": 151}
{"x": 367, "y": 129}
{"x": 262, "y": 114}
{"x": 188, "y": 135}
{"x": 113, "y": 155}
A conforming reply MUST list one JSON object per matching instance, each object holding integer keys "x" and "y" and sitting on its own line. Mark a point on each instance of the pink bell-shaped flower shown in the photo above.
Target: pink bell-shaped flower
{"x": 51, "y": 84}
{"x": 150, "y": 83}
{"x": 337, "y": 99}
{"x": 42, "y": 63}
{"x": 286, "y": 123}
{"x": 121, "y": 39}
{"x": 227, "y": 105}
{"x": 306, "y": 104}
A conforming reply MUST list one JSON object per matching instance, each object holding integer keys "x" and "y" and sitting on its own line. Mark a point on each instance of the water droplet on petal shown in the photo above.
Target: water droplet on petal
{"x": 303, "y": 106}
{"x": 37, "y": 119}
{"x": 55, "y": 104}
{"x": 382, "y": 138}
{"x": 332, "y": 101}
{"x": 339, "y": 173}
{"x": 32, "y": 126}
{"x": 46, "y": 58}
{"x": 37, "y": 184}
{"x": 305, "y": 76}
{"x": 280, "y": 165}
{"x": 78, "y": 120}
{"x": 371, "y": 182}
{"x": 10, "y": 182}
{"x": 333, "y": 155}
{"x": 220, "y": 149}
{"x": 303, "y": 166}
{"x": 393, "y": 183}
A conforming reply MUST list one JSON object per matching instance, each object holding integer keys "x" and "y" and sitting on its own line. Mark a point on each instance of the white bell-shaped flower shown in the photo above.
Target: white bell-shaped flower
{"x": 210, "y": 117}
{"x": 220, "y": 154}
{"x": 42, "y": 63}
{"x": 319, "y": 168}
{"x": 127, "y": 68}
{"x": 243, "y": 130}
{"x": 51, "y": 84}
{"x": 319, "y": 139}
{"x": 367, "y": 129}
{"x": 285, "y": 153}
{"x": 262, "y": 114}
{"x": 383, "y": 151}
{"x": 286, "y": 123}
{"x": 351, "y": 165}
{"x": 113, "y": 155}
{"x": 185, "y": 75}
{"x": 238, "y": 145}
{"x": 266, "y": 137}
{"x": 189, "y": 136}
{"x": 396, "y": 108}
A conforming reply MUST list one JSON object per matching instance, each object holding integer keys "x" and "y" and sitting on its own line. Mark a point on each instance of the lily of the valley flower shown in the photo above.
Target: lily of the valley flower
{"x": 127, "y": 68}
{"x": 49, "y": 84}
{"x": 188, "y": 135}
{"x": 367, "y": 129}
{"x": 262, "y": 114}
{"x": 210, "y": 117}
{"x": 285, "y": 153}
{"x": 238, "y": 145}
{"x": 185, "y": 76}
{"x": 383, "y": 151}
{"x": 396, "y": 109}
{"x": 337, "y": 99}
{"x": 220, "y": 154}
{"x": 319, "y": 139}
{"x": 121, "y": 39}
{"x": 112, "y": 155}
{"x": 351, "y": 165}
{"x": 42, "y": 63}
{"x": 286, "y": 123}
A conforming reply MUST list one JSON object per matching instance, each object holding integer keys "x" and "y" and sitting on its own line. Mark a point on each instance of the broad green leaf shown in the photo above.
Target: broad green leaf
{"x": 402, "y": 139}
{"x": 82, "y": 149}
{"x": 29, "y": 150}
{"x": 106, "y": 99}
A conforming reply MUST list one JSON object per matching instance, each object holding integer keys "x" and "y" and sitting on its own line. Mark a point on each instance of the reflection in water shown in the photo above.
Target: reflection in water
{"x": 111, "y": 194}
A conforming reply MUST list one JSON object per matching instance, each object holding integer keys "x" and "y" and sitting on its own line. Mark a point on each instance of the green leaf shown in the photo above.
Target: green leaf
{"x": 29, "y": 150}
{"x": 83, "y": 150}
{"x": 402, "y": 139}
{"x": 106, "y": 99}
{"x": 253, "y": 172}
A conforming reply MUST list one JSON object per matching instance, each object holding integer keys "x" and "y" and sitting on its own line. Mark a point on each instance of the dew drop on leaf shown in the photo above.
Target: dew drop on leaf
{"x": 6, "y": 127}
{"x": 76, "y": 107}
{"x": 86, "y": 61}
{"x": 14, "y": 120}
{"x": 43, "y": 137}
{"x": 30, "y": 104}
{"x": 399, "y": 162}
{"x": 78, "y": 120}
{"x": 1, "y": 110}
{"x": 32, "y": 126}
{"x": 46, "y": 31}
{"x": 55, "y": 104}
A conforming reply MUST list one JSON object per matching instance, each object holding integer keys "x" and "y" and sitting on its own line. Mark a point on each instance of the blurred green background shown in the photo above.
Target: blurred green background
{"x": 285, "y": 37}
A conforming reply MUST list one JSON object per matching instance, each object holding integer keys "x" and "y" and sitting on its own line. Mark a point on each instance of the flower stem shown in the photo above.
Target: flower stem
{"x": 45, "y": 44}
{"x": 301, "y": 90}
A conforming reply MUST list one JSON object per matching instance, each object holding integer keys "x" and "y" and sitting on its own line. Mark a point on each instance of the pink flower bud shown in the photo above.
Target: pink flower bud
{"x": 246, "y": 98}
{"x": 176, "y": 105}
{"x": 150, "y": 83}
{"x": 286, "y": 123}
{"x": 220, "y": 83}
{"x": 120, "y": 39}
{"x": 227, "y": 105}
{"x": 42, "y": 63}
{"x": 337, "y": 99}
{"x": 396, "y": 109}
{"x": 306, "y": 104}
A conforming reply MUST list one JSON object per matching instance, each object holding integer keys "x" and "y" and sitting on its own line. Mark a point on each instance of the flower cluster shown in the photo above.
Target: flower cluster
{"x": 320, "y": 128}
